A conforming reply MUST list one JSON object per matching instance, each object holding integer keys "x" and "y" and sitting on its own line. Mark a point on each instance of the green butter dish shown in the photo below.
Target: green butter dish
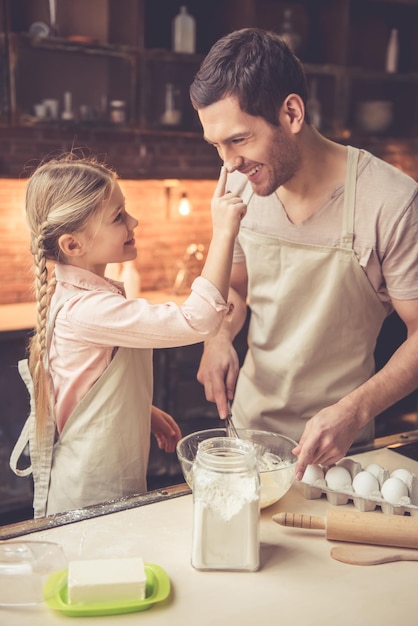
{"x": 55, "y": 595}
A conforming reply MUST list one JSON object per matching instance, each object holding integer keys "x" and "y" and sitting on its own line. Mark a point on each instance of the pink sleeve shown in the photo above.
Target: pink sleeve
{"x": 107, "y": 318}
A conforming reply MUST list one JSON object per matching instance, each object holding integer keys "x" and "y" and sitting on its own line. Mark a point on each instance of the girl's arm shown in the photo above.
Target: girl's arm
{"x": 227, "y": 211}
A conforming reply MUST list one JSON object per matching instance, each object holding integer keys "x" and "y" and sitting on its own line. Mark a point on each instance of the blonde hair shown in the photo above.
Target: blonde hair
{"x": 61, "y": 197}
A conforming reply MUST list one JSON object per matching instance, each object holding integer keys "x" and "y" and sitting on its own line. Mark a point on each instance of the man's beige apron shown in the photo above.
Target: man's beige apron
{"x": 102, "y": 451}
{"x": 314, "y": 323}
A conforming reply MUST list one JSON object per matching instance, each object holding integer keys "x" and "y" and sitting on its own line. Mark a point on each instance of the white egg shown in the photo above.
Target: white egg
{"x": 312, "y": 474}
{"x": 365, "y": 483}
{"x": 374, "y": 469}
{"x": 403, "y": 474}
{"x": 393, "y": 490}
{"x": 338, "y": 478}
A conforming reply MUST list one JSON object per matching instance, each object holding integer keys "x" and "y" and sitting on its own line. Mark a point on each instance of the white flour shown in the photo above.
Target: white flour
{"x": 225, "y": 495}
{"x": 221, "y": 544}
{"x": 226, "y": 515}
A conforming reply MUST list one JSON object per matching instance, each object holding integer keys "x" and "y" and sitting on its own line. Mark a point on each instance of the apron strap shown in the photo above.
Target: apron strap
{"x": 247, "y": 193}
{"x": 347, "y": 236}
{"x": 18, "y": 450}
{"x": 25, "y": 435}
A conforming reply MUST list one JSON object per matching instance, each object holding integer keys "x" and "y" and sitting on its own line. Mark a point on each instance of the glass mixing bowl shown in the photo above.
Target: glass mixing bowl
{"x": 275, "y": 459}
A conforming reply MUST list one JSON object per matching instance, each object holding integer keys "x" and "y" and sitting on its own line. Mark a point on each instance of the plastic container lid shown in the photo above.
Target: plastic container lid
{"x": 24, "y": 568}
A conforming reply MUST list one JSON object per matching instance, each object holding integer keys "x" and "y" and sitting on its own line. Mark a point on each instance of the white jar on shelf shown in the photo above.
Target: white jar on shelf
{"x": 117, "y": 111}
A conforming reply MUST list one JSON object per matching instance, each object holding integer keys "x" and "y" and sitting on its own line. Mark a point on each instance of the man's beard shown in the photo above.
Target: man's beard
{"x": 283, "y": 162}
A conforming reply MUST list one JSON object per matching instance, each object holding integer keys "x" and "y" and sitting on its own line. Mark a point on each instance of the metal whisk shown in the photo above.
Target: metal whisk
{"x": 231, "y": 431}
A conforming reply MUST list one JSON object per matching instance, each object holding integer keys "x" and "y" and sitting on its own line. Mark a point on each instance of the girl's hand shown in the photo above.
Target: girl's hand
{"x": 228, "y": 209}
{"x": 165, "y": 429}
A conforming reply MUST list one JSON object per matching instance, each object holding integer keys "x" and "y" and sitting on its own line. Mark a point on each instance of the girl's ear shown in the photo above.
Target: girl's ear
{"x": 71, "y": 245}
{"x": 293, "y": 112}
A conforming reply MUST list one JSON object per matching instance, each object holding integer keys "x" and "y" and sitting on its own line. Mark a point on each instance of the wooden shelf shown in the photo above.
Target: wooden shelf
{"x": 123, "y": 51}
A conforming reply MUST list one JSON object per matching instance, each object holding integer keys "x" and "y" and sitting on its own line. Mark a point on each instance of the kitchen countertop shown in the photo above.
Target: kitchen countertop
{"x": 298, "y": 583}
{"x": 22, "y": 315}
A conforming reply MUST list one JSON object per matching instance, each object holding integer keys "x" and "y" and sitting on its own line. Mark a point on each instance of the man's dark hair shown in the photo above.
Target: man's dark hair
{"x": 253, "y": 65}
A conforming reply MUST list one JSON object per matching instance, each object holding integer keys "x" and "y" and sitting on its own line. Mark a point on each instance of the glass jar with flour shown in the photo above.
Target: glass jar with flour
{"x": 226, "y": 491}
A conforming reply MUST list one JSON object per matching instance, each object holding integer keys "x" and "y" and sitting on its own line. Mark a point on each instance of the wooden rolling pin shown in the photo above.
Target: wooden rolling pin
{"x": 400, "y": 531}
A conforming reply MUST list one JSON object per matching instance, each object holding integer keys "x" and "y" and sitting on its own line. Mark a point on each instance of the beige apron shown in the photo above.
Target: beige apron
{"x": 314, "y": 323}
{"x": 102, "y": 451}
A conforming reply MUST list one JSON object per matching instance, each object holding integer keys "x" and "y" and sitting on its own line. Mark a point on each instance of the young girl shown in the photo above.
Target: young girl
{"x": 89, "y": 371}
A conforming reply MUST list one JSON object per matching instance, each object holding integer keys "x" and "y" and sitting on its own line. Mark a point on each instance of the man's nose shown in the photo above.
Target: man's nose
{"x": 232, "y": 163}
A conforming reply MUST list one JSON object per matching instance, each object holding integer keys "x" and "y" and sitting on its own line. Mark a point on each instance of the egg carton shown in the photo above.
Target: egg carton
{"x": 319, "y": 488}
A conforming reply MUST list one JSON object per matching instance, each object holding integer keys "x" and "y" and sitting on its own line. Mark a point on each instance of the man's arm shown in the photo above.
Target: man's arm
{"x": 399, "y": 377}
{"x": 219, "y": 365}
{"x": 329, "y": 433}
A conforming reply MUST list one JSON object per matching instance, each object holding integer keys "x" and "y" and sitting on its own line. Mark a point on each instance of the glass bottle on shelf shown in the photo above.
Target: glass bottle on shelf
{"x": 313, "y": 104}
{"x": 289, "y": 33}
{"x": 184, "y": 32}
{"x": 117, "y": 111}
{"x": 392, "y": 51}
{"x": 67, "y": 113}
{"x": 172, "y": 111}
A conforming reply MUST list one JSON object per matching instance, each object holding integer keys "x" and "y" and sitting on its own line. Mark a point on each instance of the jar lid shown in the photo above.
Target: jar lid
{"x": 227, "y": 454}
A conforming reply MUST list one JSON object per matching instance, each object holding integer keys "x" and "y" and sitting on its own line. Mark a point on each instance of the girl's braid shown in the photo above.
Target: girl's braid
{"x": 38, "y": 348}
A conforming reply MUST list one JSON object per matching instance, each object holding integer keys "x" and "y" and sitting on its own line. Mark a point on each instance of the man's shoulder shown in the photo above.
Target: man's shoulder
{"x": 385, "y": 186}
{"x": 378, "y": 167}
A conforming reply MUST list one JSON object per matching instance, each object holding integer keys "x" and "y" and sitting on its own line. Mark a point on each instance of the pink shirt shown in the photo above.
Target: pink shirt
{"x": 99, "y": 318}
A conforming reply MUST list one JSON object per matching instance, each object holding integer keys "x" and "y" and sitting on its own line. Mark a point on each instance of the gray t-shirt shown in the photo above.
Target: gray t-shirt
{"x": 385, "y": 225}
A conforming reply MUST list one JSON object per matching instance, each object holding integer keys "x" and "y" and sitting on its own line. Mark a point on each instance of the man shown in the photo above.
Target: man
{"x": 327, "y": 250}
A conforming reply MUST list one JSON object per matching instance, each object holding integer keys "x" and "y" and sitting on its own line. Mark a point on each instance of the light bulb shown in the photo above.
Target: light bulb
{"x": 184, "y": 205}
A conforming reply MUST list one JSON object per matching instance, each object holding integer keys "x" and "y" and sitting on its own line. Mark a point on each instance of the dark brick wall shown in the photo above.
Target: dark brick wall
{"x": 134, "y": 155}
{"x": 143, "y": 162}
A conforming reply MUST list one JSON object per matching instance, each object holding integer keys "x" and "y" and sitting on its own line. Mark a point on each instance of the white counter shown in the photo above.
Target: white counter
{"x": 298, "y": 584}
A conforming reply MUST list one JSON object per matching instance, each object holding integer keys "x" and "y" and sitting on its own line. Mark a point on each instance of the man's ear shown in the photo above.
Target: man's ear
{"x": 71, "y": 245}
{"x": 293, "y": 111}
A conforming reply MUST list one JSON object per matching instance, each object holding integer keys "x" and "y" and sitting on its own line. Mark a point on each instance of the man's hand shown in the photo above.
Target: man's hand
{"x": 326, "y": 438}
{"x": 218, "y": 372}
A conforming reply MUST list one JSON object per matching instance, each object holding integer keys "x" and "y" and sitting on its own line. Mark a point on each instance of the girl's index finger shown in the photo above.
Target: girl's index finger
{"x": 220, "y": 187}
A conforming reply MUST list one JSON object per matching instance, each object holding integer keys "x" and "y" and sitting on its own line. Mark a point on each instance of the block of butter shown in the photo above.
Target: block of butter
{"x": 106, "y": 581}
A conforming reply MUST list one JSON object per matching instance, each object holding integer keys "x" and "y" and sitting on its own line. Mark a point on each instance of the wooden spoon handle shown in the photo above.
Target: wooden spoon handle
{"x": 371, "y": 555}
